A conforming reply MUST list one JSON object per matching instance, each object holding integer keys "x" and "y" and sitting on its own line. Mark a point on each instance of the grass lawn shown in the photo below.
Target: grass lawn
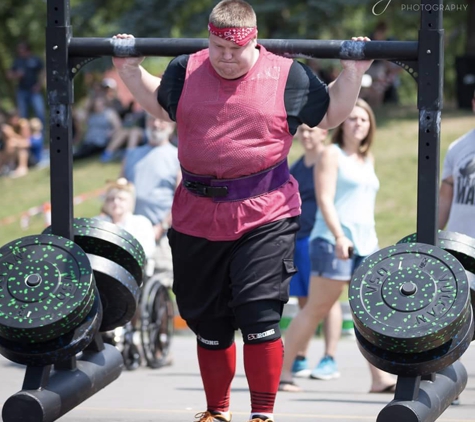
{"x": 396, "y": 166}
{"x": 33, "y": 190}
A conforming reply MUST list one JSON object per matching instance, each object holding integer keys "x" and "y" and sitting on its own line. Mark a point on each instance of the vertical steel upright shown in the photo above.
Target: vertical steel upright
{"x": 60, "y": 99}
{"x": 429, "y": 103}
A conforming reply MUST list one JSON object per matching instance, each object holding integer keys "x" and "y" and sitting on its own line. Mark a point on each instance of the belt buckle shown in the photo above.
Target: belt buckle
{"x": 216, "y": 191}
{"x": 206, "y": 190}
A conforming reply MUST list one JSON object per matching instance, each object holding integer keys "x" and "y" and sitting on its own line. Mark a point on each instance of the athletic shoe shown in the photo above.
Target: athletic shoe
{"x": 300, "y": 368}
{"x": 210, "y": 417}
{"x": 325, "y": 370}
{"x": 106, "y": 156}
{"x": 260, "y": 418}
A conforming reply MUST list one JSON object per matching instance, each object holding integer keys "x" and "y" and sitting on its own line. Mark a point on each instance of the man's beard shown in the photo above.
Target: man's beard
{"x": 156, "y": 137}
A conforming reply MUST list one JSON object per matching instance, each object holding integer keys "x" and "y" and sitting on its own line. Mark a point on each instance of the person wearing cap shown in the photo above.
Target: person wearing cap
{"x": 109, "y": 90}
{"x": 236, "y": 212}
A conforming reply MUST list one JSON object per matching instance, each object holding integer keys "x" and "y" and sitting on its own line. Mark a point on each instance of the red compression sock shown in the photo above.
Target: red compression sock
{"x": 263, "y": 366}
{"x": 217, "y": 369}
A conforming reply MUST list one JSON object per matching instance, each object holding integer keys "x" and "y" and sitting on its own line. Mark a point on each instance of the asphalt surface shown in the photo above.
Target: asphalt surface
{"x": 175, "y": 394}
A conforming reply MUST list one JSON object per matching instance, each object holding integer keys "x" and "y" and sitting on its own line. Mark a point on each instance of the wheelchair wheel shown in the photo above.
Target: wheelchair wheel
{"x": 156, "y": 329}
{"x": 131, "y": 356}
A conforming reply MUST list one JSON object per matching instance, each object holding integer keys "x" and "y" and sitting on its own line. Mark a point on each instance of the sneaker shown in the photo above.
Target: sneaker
{"x": 325, "y": 370}
{"x": 210, "y": 417}
{"x": 260, "y": 418}
{"x": 300, "y": 368}
{"x": 106, "y": 156}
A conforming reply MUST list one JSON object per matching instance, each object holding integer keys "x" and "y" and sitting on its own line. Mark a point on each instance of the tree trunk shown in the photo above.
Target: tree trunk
{"x": 470, "y": 42}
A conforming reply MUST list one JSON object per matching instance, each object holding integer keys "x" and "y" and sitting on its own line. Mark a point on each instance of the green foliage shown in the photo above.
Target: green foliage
{"x": 298, "y": 19}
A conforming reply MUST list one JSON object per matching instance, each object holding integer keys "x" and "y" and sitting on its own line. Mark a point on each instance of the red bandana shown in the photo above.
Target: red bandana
{"x": 239, "y": 36}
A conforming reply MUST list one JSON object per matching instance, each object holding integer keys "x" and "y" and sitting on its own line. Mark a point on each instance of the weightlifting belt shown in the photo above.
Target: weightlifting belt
{"x": 226, "y": 190}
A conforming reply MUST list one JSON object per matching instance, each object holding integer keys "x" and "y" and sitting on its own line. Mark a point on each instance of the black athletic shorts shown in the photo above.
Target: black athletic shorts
{"x": 211, "y": 278}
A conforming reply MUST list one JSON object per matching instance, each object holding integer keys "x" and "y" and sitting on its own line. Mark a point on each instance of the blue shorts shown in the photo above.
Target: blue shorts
{"x": 325, "y": 264}
{"x": 299, "y": 282}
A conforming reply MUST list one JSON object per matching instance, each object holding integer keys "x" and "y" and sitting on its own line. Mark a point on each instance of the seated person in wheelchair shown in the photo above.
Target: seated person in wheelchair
{"x": 118, "y": 208}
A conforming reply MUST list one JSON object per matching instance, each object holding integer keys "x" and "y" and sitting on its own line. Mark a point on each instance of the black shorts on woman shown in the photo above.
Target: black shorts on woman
{"x": 221, "y": 286}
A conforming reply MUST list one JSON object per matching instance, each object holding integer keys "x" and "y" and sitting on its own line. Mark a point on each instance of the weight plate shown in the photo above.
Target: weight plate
{"x": 423, "y": 363}
{"x": 46, "y": 287}
{"x": 459, "y": 245}
{"x": 118, "y": 290}
{"x": 108, "y": 240}
{"x": 59, "y": 349}
{"x": 462, "y": 247}
{"x": 409, "y": 297}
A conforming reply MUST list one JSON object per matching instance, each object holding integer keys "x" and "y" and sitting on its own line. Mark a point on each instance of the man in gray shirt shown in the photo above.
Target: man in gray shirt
{"x": 154, "y": 169}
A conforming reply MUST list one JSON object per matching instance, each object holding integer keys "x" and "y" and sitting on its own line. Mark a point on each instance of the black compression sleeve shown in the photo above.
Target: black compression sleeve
{"x": 172, "y": 83}
{"x": 306, "y": 97}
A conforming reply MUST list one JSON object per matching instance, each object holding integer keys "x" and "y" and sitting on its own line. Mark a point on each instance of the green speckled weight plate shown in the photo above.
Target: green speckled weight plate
{"x": 409, "y": 298}
{"x": 46, "y": 288}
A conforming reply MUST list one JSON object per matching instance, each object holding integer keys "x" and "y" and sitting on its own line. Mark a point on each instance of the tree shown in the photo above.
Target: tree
{"x": 305, "y": 19}
{"x": 470, "y": 25}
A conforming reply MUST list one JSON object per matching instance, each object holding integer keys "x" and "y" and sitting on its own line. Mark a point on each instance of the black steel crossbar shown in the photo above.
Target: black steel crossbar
{"x": 171, "y": 47}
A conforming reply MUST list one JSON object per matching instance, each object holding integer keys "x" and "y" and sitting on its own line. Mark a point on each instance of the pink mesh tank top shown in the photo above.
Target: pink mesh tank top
{"x": 230, "y": 129}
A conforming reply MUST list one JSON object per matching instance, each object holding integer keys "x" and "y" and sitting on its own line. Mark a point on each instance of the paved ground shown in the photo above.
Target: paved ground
{"x": 174, "y": 394}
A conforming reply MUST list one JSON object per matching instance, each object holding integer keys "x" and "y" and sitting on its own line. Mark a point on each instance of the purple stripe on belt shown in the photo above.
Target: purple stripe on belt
{"x": 225, "y": 190}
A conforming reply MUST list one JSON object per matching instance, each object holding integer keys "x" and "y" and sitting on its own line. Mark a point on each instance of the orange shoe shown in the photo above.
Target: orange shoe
{"x": 211, "y": 417}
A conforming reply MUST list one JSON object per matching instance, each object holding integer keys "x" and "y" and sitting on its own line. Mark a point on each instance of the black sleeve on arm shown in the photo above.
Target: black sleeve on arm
{"x": 306, "y": 97}
{"x": 171, "y": 85}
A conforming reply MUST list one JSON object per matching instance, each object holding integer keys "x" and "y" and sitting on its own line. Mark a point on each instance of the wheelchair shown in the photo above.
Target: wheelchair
{"x": 148, "y": 337}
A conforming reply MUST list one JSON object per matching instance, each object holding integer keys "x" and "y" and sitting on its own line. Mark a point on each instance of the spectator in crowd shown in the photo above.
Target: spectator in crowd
{"x": 343, "y": 235}
{"x": 101, "y": 124}
{"x": 457, "y": 190}
{"x": 27, "y": 71}
{"x": 108, "y": 88}
{"x": 233, "y": 239}
{"x": 131, "y": 134}
{"x": 36, "y": 142}
{"x": 16, "y": 146}
{"x": 155, "y": 171}
{"x": 312, "y": 141}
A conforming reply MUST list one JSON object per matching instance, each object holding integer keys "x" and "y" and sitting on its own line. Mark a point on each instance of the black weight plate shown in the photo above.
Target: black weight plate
{"x": 409, "y": 297}
{"x": 59, "y": 349}
{"x": 123, "y": 248}
{"x": 118, "y": 290}
{"x": 423, "y": 363}
{"x": 108, "y": 240}
{"x": 46, "y": 286}
{"x": 459, "y": 245}
{"x": 462, "y": 247}
{"x": 395, "y": 345}
{"x": 471, "y": 282}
